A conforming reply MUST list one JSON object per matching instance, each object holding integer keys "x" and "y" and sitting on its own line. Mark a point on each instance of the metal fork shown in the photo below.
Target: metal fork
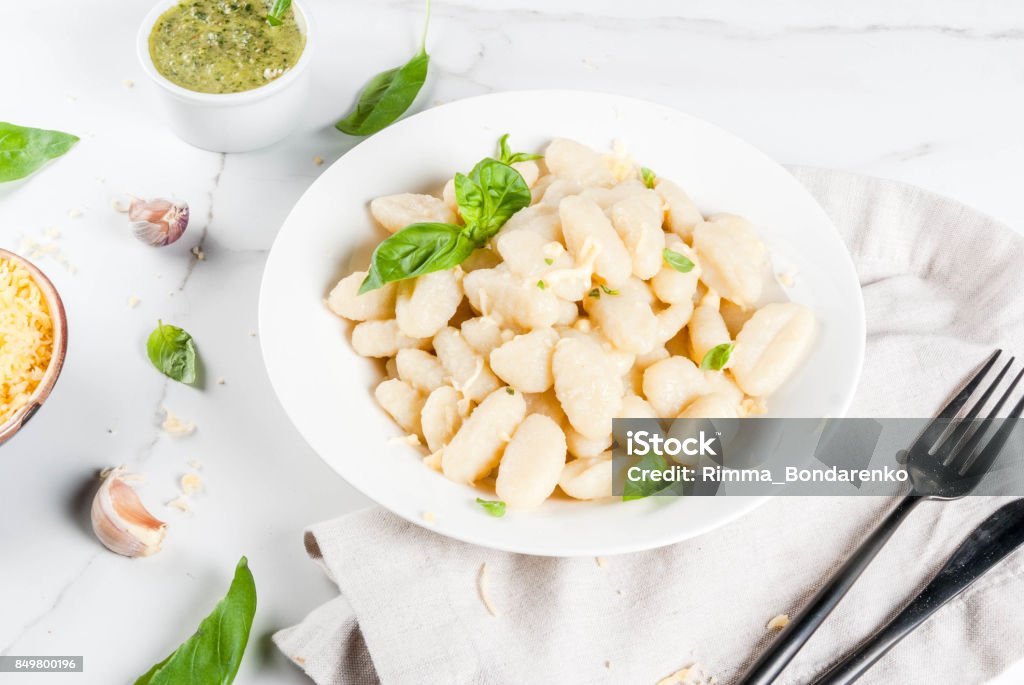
{"x": 945, "y": 463}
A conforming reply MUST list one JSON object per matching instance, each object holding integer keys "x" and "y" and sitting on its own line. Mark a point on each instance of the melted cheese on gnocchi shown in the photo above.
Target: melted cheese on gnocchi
{"x": 511, "y": 367}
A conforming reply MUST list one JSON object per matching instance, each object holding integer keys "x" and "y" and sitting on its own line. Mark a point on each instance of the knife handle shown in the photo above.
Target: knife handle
{"x": 992, "y": 541}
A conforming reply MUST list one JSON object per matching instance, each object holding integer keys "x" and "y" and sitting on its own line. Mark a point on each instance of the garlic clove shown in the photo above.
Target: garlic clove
{"x": 158, "y": 222}
{"x": 120, "y": 520}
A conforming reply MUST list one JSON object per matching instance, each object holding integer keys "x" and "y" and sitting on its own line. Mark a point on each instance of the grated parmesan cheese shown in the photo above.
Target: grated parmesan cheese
{"x": 26, "y": 337}
{"x": 173, "y": 425}
{"x": 778, "y": 623}
{"x": 482, "y": 586}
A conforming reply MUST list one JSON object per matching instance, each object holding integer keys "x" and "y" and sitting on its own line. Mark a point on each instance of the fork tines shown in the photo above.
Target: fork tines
{"x": 957, "y": 432}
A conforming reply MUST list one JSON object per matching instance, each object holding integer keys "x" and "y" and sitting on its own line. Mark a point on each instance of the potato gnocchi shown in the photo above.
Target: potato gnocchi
{"x": 610, "y": 295}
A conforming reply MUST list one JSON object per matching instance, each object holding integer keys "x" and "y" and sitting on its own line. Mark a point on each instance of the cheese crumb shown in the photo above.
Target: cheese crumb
{"x": 252, "y": 334}
{"x": 133, "y": 302}
{"x": 601, "y": 561}
{"x": 318, "y": 160}
{"x": 688, "y": 675}
{"x": 412, "y": 440}
{"x": 198, "y": 253}
{"x": 778, "y": 623}
{"x": 191, "y": 483}
{"x": 172, "y": 425}
{"x": 608, "y": 664}
{"x": 434, "y": 460}
{"x": 787, "y": 278}
{"x": 196, "y": 464}
{"x": 482, "y": 586}
{"x": 429, "y": 517}
{"x": 74, "y": 213}
{"x": 180, "y": 503}
{"x": 128, "y": 83}
{"x": 221, "y": 381}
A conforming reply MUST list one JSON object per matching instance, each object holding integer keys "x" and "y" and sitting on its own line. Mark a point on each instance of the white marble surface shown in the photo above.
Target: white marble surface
{"x": 930, "y": 93}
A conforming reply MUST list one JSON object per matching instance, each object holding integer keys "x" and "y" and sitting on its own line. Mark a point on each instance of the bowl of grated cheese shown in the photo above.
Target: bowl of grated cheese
{"x": 33, "y": 341}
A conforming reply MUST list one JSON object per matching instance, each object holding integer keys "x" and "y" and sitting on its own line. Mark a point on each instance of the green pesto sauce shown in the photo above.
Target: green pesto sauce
{"x": 224, "y": 46}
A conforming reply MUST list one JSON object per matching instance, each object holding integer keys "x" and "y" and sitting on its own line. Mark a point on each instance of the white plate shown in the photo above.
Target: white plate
{"x": 326, "y": 389}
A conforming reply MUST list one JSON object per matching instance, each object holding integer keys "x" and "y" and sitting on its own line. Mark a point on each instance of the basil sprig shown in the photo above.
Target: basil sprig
{"x": 389, "y": 93}
{"x": 645, "y": 487}
{"x": 650, "y": 179}
{"x": 717, "y": 357}
{"x": 23, "y": 150}
{"x": 495, "y": 508}
{"x": 213, "y": 654}
{"x": 416, "y": 250}
{"x": 276, "y": 16}
{"x": 487, "y": 197}
{"x": 172, "y": 352}
{"x": 506, "y": 155}
{"x": 679, "y": 262}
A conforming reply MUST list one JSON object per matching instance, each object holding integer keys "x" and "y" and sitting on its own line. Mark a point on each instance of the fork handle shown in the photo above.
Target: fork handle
{"x": 770, "y": 664}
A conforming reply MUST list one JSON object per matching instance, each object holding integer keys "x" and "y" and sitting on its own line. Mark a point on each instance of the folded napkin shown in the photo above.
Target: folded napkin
{"x": 942, "y": 287}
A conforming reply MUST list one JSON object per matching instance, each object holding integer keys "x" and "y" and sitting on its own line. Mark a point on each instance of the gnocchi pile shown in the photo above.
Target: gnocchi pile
{"x": 608, "y": 295}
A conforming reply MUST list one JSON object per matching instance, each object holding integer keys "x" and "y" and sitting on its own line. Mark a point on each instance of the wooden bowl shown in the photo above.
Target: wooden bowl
{"x": 60, "y": 347}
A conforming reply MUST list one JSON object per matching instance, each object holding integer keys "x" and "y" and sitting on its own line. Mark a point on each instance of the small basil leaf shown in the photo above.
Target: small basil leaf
{"x": 717, "y": 357}
{"x": 23, "y": 150}
{"x": 172, "y": 352}
{"x": 276, "y": 16}
{"x": 649, "y": 178}
{"x": 595, "y": 293}
{"x": 495, "y": 508}
{"x": 416, "y": 250}
{"x": 609, "y": 291}
{"x": 638, "y": 489}
{"x": 506, "y": 156}
{"x": 677, "y": 261}
{"x": 213, "y": 654}
{"x": 389, "y": 93}
{"x": 491, "y": 193}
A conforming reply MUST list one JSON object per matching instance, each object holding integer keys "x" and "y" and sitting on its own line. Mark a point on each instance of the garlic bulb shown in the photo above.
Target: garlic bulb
{"x": 158, "y": 222}
{"x": 121, "y": 522}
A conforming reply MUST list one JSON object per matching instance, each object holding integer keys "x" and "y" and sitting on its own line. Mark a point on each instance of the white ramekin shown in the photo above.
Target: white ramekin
{"x": 231, "y": 122}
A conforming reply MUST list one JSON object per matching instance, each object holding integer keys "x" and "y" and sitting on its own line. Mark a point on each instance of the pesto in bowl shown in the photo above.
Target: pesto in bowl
{"x": 224, "y": 46}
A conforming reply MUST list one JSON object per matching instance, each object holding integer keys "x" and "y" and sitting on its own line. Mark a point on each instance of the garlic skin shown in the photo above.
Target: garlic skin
{"x": 158, "y": 222}
{"x": 121, "y": 522}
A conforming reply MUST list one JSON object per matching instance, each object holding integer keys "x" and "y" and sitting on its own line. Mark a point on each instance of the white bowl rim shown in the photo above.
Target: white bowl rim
{"x": 223, "y": 99}
{"x": 744, "y": 504}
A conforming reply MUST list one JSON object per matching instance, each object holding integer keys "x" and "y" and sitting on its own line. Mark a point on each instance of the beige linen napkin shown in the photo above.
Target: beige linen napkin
{"x": 943, "y": 285}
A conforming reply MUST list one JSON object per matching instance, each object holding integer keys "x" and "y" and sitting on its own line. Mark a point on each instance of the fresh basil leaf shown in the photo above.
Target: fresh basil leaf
{"x": 609, "y": 291}
{"x": 23, "y": 150}
{"x": 276, "y": 16}
{"x": 172, "y": 352}
{"x": 595, "y": 293}
{"x": 389, "y": 93}
{"x": 649, "y": 178}
{"x": 677, "y": 261}
{"x": 638, "y": 489}
{"x": 416, "y": 250}
{"x": 213, "y": 654}
{"x": 506, "y": 156}
{"x": 495, "y": 508}
{"x": 542, "y": 285}
{"x": 491, "y": 193}
{"x": 717, "y": 357}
